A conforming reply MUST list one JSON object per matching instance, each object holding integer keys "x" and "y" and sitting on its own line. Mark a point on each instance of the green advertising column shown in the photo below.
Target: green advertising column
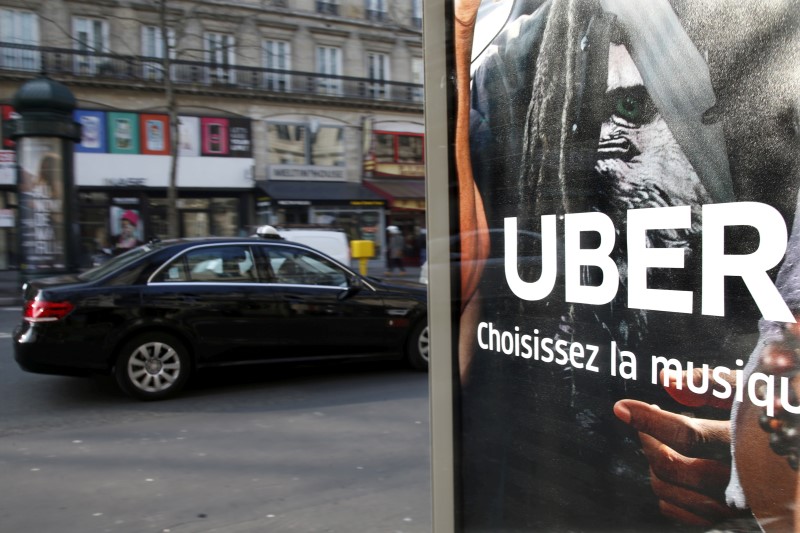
{"x": 45, "y": 133}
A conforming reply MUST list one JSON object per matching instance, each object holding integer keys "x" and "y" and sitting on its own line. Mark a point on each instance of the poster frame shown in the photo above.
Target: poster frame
{"x": 438, "y": 117}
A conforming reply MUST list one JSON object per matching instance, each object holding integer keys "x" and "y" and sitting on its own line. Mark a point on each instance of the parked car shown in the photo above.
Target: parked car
{"x": 331, "y": 242}
{"x": 154, "y": 315}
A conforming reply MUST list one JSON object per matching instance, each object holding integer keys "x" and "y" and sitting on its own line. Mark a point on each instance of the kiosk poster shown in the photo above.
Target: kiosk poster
{"x": 123, "y": 133}
{"x": 41, "y": 205}
{"x": 629, "y": 351}
{"x": 154, "y": 134}
{"x": 93, "y": 131}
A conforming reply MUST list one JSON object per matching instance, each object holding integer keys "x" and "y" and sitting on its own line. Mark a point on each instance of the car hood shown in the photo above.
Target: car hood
{"x": 400, "y": 285}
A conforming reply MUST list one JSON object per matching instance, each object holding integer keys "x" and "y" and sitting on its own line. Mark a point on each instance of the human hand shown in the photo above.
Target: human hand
{"x": 689, "y": 457}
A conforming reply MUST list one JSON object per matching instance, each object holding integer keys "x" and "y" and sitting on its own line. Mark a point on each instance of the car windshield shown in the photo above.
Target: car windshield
{"x": 116, "y": 263}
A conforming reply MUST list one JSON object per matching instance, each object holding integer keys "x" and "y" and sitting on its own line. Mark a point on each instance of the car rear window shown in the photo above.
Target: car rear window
{"x": 117, "y": 263}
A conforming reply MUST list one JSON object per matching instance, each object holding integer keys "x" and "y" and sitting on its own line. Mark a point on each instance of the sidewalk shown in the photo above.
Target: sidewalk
{"x": 377, "y": 268}
{"x": 10, "y": 288}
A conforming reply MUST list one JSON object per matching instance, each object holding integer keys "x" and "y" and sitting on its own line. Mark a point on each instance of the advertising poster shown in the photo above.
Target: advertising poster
{"x": 215, "y": 136}
{"x": 126, "y": 229}
{"x": 123, "y": 133}
{"x": 8, "y": 167}
{"x": 189, "y": 135}
{"x": 628, "y": 276}
{"x": 7, "y": 115}
{"x": 240, "y": 137}
{"x": 93, "y": 131}
{"x": 154, "y": 134}
{"x": 41, "y": 205}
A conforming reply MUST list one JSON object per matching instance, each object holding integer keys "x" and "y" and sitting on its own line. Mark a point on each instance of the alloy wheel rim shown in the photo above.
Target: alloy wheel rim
{"x": 154, "y": 367}
{"x": 423, "y": 343}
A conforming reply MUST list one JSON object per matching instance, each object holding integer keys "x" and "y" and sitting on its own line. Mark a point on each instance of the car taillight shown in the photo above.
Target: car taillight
{"x": 44, "y": 311}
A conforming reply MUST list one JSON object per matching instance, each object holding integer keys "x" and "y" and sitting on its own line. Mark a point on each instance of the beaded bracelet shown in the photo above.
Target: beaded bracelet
{"x": 782, "y": 359}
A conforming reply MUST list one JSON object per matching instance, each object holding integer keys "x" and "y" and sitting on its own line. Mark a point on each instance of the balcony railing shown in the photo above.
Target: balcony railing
{"x": 103, "y": 67}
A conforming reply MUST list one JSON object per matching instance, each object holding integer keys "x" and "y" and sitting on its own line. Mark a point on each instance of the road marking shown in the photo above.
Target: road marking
{"x": 14, "y": 309}
{"x": 5, "y": 335}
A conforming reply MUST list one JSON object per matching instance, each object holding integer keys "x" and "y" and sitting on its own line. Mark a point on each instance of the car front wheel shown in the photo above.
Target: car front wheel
{"x": 418, "y": 349}
{"x": 152, "y": 366}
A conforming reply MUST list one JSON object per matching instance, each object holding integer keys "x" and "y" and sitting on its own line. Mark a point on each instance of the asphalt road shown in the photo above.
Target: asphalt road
{"x": 320, "y": 449}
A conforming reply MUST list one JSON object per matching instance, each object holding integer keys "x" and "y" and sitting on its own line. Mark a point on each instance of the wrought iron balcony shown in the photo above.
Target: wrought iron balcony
{"x": 77, "y": 66}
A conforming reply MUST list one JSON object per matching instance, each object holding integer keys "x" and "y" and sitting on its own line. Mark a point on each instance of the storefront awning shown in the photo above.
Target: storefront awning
{"x": 401, "y": 193}
{"x": 320, "y": 193}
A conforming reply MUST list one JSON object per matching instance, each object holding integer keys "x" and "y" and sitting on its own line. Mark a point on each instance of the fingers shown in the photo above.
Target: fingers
{"x": 706, "y": 476}
{"x": 678, "y": 388}
{"x": 691, "y": 491}
{"x": 688, "y": 436}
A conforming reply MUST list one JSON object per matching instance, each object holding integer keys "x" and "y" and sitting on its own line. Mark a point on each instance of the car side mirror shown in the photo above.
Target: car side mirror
{"x": 354, "y": 286}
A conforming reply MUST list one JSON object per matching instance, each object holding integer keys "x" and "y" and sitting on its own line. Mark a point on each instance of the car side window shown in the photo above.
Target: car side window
{"x": 218, "y": 264}
{"x": 299, "y": 267}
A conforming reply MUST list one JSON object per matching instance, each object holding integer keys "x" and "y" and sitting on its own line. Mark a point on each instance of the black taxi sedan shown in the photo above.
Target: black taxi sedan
{"x": 155, "y": 314}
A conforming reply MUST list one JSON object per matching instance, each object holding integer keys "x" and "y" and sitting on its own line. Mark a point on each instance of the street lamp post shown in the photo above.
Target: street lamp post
{"x": 45, "y": 133}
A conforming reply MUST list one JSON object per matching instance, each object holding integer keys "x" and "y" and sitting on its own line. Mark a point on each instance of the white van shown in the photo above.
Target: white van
{"x": 331, "y": 242}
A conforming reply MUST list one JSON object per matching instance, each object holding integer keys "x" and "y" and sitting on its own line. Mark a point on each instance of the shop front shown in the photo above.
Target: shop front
{"x": 406, "y": 200}
{"x": 348, "y": 206}
{"x": 123, "y": 168}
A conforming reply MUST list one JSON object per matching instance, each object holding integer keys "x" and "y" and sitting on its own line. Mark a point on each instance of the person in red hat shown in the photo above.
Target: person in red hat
{"x": 127, "y": 238}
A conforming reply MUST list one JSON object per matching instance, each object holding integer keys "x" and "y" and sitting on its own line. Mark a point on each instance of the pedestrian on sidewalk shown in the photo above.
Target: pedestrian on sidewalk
{"x": 395, "y": 250}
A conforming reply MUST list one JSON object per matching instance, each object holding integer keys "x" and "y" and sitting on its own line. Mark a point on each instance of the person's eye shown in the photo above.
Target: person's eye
{"x": 632, "y": 105}
{"x": 628, "y": 108}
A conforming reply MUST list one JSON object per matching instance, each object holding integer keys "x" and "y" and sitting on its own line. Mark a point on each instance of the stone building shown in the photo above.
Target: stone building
{"x": 288, "y": 112}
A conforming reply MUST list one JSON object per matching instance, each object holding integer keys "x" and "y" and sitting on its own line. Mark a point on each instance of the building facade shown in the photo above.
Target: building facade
{"x": 301, "y": 112}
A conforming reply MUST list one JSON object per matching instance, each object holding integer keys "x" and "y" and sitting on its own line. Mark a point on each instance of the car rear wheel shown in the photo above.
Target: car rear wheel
{"x": 418, "y": 349}
{"x": 152, "y": 366}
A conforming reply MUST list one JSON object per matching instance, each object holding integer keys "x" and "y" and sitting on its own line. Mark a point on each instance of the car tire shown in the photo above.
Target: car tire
{"x": 418, "y": 347}
{"x": 152, "y": 366}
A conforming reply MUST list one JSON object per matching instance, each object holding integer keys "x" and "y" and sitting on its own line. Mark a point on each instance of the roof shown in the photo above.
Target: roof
{"x": 402, "y": 188}
{"x": 317, "y": 191}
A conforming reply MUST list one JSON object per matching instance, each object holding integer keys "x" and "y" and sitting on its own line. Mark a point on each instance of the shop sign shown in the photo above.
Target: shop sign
{"x": 409, "y": 203}
{"x": 300, "y": 172}
{"x": 7, "y": 218}
{"x": 368, "y": 202}
{"x": 623, "y": 184}
{"x": 396, "y": 169}
{"x": 8, "y": 167}
{"x": 125, "y": 182}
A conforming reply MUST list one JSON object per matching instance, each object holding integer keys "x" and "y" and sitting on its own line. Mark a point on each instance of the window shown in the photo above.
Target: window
{"x": 217, "y": 264}
{"x": 327, "y": 7}
{"x": 153, "y": 47}
{"x": 305, "y": 144}
{"x": 327, "y": 146}
{"x": 416, "y": 13}
{"x": 376, "y": 10}
{"x": 20, "y": 28}
{"x": 377, "y": 72}
{"x": 277, "y": 56}
{"x": 299, "y": 267}
{"x": 410, "y": 148}
{"x": 417, "y": 77}
{"x": 91, "y": 39}
{"x": 220, "y": 52}
{"x": 329, "y": 64}
{"x": 286, "y": 144}
{"x": 399, "y": 148}
{"x": 384, "y": 147}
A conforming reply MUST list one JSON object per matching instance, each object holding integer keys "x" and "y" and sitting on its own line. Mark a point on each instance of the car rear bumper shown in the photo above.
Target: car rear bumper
{"x": 39, "y": 351}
